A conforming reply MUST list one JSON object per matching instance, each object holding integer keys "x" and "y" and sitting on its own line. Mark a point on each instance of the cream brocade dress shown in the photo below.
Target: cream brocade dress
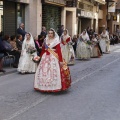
{"x": 83, "y": 50}
{"x": 68, "y": 51}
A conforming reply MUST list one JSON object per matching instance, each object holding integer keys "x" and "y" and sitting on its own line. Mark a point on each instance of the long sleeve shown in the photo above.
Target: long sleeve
{"x": 58, "y": 50}
{"x": 43, "y": 51}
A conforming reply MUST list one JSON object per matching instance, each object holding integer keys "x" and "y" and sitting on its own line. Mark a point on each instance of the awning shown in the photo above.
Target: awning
{"x": 100, "y": 1}
{"x": 20, "y": 1}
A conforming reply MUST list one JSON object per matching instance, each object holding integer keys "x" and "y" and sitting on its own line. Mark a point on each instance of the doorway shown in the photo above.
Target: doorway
{"x": 69, "y": 21}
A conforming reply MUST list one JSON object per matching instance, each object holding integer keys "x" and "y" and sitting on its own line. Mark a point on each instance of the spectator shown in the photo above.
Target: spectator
{"x": 74, "y": 40}
{"x": 61, "y": 30}
{"x": 6, "y": 43}
{"x": 19, "y": 42}
{"x": 91, "y": 33}
{"x": 37, "y": 45}
{"x": 14, "y": 50}
{"x": 41, "y": 40}
{"x": 112, "y": 40}
{"x": 116, "y": 38}
{"x": 21, "y": 30}
{"x": 2, "y": 50}
{"x": 88, "y": 30}
{"x": 44, "y": 33}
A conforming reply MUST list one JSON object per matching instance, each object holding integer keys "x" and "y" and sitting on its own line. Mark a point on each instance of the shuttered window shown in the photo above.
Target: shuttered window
{"x": 51, "y": 16}
{"x": 9, "y": 18}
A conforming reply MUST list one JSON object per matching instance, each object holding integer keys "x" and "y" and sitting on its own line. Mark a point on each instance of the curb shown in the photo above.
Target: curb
{"x": 7, "y": 73}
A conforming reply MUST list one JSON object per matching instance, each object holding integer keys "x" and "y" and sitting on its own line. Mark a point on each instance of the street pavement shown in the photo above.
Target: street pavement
{"x": 94, "y": 94}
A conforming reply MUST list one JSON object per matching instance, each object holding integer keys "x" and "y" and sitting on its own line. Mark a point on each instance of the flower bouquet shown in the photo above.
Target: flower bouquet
{"x": 31, "y": 50}
{"x": 36, "y": 59}
{"x": 89, "y": 42}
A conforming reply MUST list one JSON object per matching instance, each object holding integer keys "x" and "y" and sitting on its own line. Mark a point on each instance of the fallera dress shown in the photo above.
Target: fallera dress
{"x": 95, "y": 49}
{"x": 50, "y": 76}
{"x": 67, "y": 49}
{"x": 83, "y": 50}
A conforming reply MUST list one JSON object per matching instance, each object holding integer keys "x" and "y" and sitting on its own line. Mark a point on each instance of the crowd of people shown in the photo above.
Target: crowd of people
{"x": 49, "y": 54}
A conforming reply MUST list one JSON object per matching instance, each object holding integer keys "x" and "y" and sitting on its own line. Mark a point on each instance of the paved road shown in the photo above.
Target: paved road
{"x": 94, "y": 94}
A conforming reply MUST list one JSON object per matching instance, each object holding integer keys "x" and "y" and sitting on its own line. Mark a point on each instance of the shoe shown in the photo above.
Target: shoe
{"x": 15, "y": 66}
{"x": 2, "y": 71}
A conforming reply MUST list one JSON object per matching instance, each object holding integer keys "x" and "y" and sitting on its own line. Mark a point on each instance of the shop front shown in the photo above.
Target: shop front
{"x": 12, "y": 13}
{"x": 85, "y": 19}
{"x": 51, "y": 13}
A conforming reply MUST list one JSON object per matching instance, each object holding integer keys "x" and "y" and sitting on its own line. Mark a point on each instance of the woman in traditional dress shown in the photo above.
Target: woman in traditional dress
{"x": 67, "y": 48}
{"x": 105, "y": 42}
{"x": 83, "y": 50}
{"x": 52, "y": 74}
{"x": 26, "y": 65}
{"x": 99, "y": 39}
{"x": 95, "y": 49}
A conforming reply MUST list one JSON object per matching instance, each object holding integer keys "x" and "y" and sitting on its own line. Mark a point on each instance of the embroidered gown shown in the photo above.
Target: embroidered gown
{"x": 95, "y": 49}
{"x": 105, "y": 43}
{"x": 49, "y": 76}
{"x": 83, "y": 50}
{"x": 67, "y": 50}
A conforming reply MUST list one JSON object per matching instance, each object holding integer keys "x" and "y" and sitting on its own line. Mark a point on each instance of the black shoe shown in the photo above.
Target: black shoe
{"x": 15, "y": 66}
{"x": 2, "y": 71}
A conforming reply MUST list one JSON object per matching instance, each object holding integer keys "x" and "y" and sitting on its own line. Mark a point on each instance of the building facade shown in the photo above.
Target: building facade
{"x": 14, "y": 12}
{"x": 75, "y": 15}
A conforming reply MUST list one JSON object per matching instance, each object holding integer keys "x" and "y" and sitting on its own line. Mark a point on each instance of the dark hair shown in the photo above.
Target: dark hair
{"x": 84, "y": 31}
{"x": 66, "y": 31}
{"x": 6, "y": 37}
{"x": 18, "y": 36}
{"x": 12, "y": 37}
{"x": 28, "y": 33}
{"x": 52, "y": 31}
{"x": 40, "y": 36}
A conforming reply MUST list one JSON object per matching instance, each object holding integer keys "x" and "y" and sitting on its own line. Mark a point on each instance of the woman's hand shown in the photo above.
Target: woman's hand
{"x": 61, "y": 64}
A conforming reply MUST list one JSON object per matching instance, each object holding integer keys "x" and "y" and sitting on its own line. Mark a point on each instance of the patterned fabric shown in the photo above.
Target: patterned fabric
{"x": 83, "y": 50}
{"x": 25, "y": 63}
{"x": 49, "y": 76}
{"x": 68, "y": 51}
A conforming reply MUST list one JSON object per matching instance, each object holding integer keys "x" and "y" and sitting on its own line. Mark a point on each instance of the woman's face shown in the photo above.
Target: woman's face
{"x": 84, "y": 32}
{"x": 28, "y": 36}
{"x": 65, "y": 32}
{"x": 50, "y": 34}
{"x": 104, "y": 31}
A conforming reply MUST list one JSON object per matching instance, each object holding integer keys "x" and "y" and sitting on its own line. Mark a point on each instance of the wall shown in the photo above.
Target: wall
{"x": 102, "y": 22}
{"x": 33, "y": 17}
{"x": 69, "y": 22}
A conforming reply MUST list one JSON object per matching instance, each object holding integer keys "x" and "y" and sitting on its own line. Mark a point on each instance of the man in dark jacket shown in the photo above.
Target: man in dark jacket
{"x": 61, "y": 30}
{"x": 19, "y": 42}
{"x": 43, "y": 32}
{"x": 21, "y": 30}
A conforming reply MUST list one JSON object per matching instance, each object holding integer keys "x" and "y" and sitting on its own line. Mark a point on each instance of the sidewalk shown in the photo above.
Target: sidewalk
{"x": 10, "y": 70}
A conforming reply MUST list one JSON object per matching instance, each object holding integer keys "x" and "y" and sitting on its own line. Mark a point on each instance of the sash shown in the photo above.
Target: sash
{"x": 65, "y": 67}
{"x": 65, "y": 72}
